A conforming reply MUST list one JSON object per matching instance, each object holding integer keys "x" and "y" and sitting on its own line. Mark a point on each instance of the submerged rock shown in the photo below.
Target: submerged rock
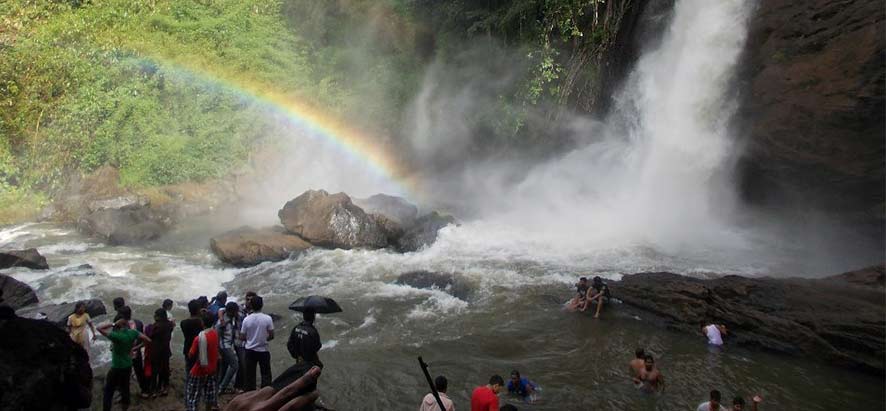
{"x": 42, "y": 368}
{"x": 124, "y": 220}
{"x": 396, "y": 209}
{"x": 28, "y": 258}
{"x": 58, "y": 313}
{"x": 247, "y": 246}
{"x": 331, "y": 220}
{"x": 831, "y": 320}
{"x": 442, "y": 281}
{"x": 424, "y": 232}
{"x": 15, "y": 293}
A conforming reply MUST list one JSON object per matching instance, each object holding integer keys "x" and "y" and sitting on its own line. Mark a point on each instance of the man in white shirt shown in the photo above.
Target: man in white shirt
{"x": 715, "y": 333}
{"x": 713, "y": 404}
{"x": 256, "y": 331}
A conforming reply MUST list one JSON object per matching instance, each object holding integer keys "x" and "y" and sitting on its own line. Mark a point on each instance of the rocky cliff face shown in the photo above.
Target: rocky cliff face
{"x": 813, "y": 86}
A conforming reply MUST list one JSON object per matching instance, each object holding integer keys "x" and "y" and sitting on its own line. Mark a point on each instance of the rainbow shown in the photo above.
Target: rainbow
{"x": 347, "y": 140}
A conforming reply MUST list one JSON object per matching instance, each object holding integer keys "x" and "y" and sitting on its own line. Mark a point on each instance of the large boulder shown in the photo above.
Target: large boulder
{"x": 430, "y": 280}
{"x": 42, "y": 368}
{"x": 396, "y": 209}
{"x": 28, "y": 258}
{"x": 331, "y": 220}
{"x": 247, "y": 246}
{"x": 58, "y": 313}
{"x": 15, "y": 293}
{"x": 124, "y": 220}
{"x": 835, "y": 321}
{"x": 423, "y": 232}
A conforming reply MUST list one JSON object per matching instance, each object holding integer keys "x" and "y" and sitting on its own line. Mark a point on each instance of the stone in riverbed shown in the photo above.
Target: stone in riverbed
{"x": 828, "y": 319}
{"x": 124, "y": 220}
{"x": 15, "y": 293}
{"x": 427, "y": 280}
{"x": 396, "y": 209}
{"x": 28, "y": 258}
{"x": 423, "y": 232}
{"x": 247, "y": 246}
{"x": 332, "y": 220}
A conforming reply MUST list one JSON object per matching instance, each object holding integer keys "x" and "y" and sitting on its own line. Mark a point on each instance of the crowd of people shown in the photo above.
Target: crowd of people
{"x": 224, "y": 343}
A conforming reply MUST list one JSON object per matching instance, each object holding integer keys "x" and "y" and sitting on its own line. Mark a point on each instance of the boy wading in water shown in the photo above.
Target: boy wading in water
{"x": 122, "y": 339}
{"x": 202, "y": 381}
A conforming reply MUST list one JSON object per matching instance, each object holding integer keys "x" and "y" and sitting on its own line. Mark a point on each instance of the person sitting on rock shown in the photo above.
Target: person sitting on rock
{"x": 638, "y": 363}
{"x": 598, "y": 292}
{"x": 580, "y": 301}
{"x": 738, "y": 403}
{"x": 714, "y": 332}
{"x": 650, "y": 378}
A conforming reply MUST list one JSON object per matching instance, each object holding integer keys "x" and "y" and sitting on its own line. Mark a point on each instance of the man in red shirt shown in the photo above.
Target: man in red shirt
{"x": 202, "y": 381}
{"x": 485, "y": 398}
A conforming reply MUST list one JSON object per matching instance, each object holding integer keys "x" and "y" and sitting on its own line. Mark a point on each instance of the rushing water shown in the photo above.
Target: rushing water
{"x": 651, "y": 198}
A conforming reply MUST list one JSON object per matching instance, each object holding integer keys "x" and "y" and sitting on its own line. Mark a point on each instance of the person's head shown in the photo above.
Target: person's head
{"x": 309, "y": 315}
{"x": 441, "y": 384}
{"x": 257, "y": 303}
{"x": 715, "y": 399}
{"x": 125, "y": 312}
{"x": 649, "y": 362}
{"x": 515, "y": 377}
{"x": 583, "y": 280}
{"x": 167, "y": 304}
{"x": 194, "y": 307}
{"x": 598, "y": 282}
{"x": 221, "y": 298}
{"x": 249, "y": 296}
{"x": 80, "y": 308}
{"x": 737, "y": 404}
{"x": 232, "y": 309}
{"x": 204, "y": 302}
{"x": 496, "y": 382}
{"x": 208, "y": 320}
{"x": 160, "y": 315}
{"x": 118, "y": 303}
{"x": 508, "y": 407}
{"x": 640, "y": 353}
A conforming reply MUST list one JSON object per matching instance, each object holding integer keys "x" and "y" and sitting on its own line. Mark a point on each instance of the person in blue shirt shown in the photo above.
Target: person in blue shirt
{"x": 218, "y": 303}
{"x": 520, "y": 385}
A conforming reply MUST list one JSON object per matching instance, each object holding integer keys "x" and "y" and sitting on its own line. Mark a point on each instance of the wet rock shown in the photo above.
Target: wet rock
{"x": 42, "y": 368}
{"x": 331, "y": 220}
{"x": 124, "y": 220}
{"x": 16, "y": 294}
{"x": 28, "y": 258}
{"x": 834, "y": 321}
{"x": 390, "y": 228}
{"x": 58, "y": 313}
{"x": 442, "y": 281}
{"x": 396, "y": 209}
{"x": 870, "y": 277}
{"x": 424, "y": 232}
{"x": 247, "y": 246}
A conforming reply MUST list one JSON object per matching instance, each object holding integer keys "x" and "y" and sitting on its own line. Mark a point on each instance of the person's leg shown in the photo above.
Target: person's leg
{"x": 211, "y": 394}
{"x": 599, "y": 306}
{"x": 124, "y": 387}
{"x": 164, "y": 376}
{"x": 192, "y": 391}
{"x": 265, "y": 364}
{"x": 240, "y": 379}
{"x": 110, "y": 385}
{"x": 138, "y": 368}
{"x": 231, "y": 360}
{"x": 251, "y": 362}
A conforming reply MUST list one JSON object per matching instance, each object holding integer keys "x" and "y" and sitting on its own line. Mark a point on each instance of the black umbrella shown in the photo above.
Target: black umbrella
{"x": 320, "y": 305}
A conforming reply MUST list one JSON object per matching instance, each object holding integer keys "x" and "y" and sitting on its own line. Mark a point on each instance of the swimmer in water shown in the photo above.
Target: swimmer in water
{"x": 650, "y": 379}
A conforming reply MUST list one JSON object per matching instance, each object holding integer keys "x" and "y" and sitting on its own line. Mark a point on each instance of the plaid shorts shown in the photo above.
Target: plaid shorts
{"x": 205, "y": 387}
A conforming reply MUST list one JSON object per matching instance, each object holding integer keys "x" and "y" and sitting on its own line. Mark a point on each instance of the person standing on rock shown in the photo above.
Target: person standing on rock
{"x": 122, "y": 339}
{"x": 485, "y": 398}
{"x": 77, "y": 323}
{"x": 229, "y": 333}
{"x": 218, "y": 303}
{"x": 167, "y": 305}
{"x": 118, "y": 303}
{"x": 204, "y": 354}
{"x": 190, "y": 328}
{"x": 257, "y": 330}
{"x": 304, "y": 341}
{"x": 715, "y": 333}
{"x": 138, "y": 365}
{"x": 713, "y": 404}
{"x": 161, "y": 334}
{"x": 429, "y": 403}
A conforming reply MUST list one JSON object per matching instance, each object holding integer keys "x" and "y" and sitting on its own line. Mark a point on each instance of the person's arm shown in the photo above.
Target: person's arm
{"x": 757, "y": 400}
{"x": 493, "y": 406}
{"x": 144, "y": 337}
{"x": 91, "y": 327}
{"x": 661, "y": 382}
{"x": 270, "y": 330}
{"x": 103, "y": 329}
{"x": 194, "y": 346}
{"x": 290, "y": 345}
{"x": 68, "y": 325}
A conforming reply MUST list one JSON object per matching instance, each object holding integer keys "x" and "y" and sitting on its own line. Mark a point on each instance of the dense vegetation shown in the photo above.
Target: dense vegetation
{"x": 145, "y": 85}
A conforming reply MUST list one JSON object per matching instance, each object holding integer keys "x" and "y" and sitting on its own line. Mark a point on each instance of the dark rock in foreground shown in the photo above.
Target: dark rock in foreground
{"x": 331, "y": 220}
{"x": 424, "y": 232}
{"x": 247, "y": 246}
{"x": 428, "y": 280}
{"x": 833, "y": 320}
{"x": 42, "y": 368}
{"x": 58, "y": 313}
{"x": 15, "y": 293}
{"x": 124, "y": 220}
{"x": 28, "y": 258}
{"x": 396, "y": 209}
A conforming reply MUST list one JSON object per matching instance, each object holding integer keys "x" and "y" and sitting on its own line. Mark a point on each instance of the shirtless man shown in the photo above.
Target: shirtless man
{"x": 638, "y": 363}
{"x": 650, "y": 379}
{"x": 738, "y": 403}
